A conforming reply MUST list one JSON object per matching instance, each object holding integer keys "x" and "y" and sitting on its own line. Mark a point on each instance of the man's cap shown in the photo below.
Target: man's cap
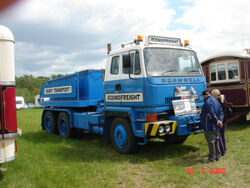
{"x": 215, "y": 92}
{"x": 205, "y": 92}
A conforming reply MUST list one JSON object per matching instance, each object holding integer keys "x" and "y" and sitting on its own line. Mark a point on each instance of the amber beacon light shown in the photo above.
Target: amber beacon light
{"x": 186, "y": 42}
{"x": 139, "y": 37}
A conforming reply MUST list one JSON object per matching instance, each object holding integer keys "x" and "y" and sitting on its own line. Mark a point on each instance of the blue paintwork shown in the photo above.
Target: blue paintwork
{"x": 77, "y": 104}
{"x": 135, "y": 115}
{"x": 68, "y": 110}
{"x": 185, "y": 124}
{"x": 98, "y": 130}
{"x": 85, "y": 120}
{"x": 87, "y": 90}
{"x": 155, "y": 90}
{"x": 133, "y": 86}
{"x": 81, "y": 120}
{"x": 109, "y": 87}
{"x": 120, "y": 136}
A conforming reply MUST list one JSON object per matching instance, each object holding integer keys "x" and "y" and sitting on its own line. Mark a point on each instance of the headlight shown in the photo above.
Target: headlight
{"x": 161, "y": 129}
{"x": 167, "y": 128}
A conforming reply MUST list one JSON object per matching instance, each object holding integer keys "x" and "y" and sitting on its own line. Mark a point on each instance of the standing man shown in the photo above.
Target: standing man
{"x": 226, "y": 110}
{"x": 211, "y": 121}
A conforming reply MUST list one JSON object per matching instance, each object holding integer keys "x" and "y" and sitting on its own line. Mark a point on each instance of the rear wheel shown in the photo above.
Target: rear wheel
{"x": 122, "y": 136}
{"x": 176, "y": 139}
{"x": 64, "y": 125}
{"x": 49, "y": 122}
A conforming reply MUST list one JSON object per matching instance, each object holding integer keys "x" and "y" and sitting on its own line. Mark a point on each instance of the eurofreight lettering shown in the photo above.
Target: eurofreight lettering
{"x": 122, "y": 97}
{"x": 165, "y": 40}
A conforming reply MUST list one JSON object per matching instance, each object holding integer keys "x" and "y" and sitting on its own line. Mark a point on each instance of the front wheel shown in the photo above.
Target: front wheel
{"x": 122, "y": 136}
{"x": 64, "y": 125}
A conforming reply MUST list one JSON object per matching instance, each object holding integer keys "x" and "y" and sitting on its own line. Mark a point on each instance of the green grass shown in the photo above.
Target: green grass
{"x": 46, "y": 160}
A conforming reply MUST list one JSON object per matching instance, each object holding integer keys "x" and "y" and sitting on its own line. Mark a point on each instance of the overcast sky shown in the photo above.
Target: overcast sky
{"x": 64, "y": 36}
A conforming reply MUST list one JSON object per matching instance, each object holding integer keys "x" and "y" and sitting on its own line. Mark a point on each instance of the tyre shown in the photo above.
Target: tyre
{"x": 176, "y": 139}
{"x": 122, "y": 136}
{"x": 49, "y": 122}
{"x": 64, "y": 125}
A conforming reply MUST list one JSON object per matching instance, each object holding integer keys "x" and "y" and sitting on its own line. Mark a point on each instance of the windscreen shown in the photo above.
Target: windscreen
{"x": 171, "y": 62}
{"x": 19, "y": 102}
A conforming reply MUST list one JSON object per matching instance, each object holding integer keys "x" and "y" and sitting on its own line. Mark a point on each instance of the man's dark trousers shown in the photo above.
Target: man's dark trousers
{"x": 212, "y": 138}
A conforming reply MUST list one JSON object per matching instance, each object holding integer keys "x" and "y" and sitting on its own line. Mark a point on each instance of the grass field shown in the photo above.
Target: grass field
{"x": 46, "y": 160}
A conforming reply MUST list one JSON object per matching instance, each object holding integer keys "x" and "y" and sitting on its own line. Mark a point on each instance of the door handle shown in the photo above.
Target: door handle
{"x": 118, "y": 87}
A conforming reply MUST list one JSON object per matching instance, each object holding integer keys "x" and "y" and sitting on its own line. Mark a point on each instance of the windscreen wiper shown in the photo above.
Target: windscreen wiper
{"x": 172, "y": 70}
{"x": 193, "y": 71}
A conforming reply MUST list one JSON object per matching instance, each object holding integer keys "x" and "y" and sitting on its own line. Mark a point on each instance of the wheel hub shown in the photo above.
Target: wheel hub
{"x": 63, "y": 127}
{"x": 48, "y": 124}
{"x": 120, "y": 136}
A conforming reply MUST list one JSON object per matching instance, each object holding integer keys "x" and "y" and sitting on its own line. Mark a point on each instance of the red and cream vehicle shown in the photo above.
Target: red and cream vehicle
{"x": 8, "y": 120}
{"x": 230, "y": 73}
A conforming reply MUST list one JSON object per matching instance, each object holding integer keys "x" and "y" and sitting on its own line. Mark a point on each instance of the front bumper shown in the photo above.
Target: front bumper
{"x": 187, "y": 124}
{"x": 152, "y": 128}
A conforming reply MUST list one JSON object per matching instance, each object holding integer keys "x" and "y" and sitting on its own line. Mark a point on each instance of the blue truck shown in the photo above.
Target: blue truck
{"x": 150, "y": 88}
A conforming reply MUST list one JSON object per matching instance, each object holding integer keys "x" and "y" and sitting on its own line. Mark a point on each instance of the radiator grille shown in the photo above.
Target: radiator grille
{"x": 168, "y": 100}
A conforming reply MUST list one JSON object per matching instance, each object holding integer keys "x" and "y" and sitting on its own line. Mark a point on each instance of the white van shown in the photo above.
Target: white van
{"x": 20, "y": 103}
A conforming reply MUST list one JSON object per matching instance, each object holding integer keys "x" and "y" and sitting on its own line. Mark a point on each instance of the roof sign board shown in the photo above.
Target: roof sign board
{"x": 163, "y": 40}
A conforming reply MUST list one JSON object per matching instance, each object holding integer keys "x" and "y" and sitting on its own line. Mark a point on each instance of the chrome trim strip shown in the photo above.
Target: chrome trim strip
{"x": 7, "y": 83}
{"x": 9, "y": 135}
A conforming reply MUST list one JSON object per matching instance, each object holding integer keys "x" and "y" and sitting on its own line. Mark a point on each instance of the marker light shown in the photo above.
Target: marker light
{"x": 139, "y": 38}
{"x": 151, "y": 117}
{"x": 186, "y": 42}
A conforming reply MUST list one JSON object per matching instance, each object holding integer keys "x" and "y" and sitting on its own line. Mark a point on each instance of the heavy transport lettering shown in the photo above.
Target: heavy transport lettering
{"x": 58, "y": 90}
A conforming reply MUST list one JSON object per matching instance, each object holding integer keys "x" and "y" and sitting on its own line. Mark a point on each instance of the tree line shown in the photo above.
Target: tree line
{"x": 29, "y": 86}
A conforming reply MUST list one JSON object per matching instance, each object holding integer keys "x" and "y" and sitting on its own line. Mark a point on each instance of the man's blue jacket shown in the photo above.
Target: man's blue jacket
{"x": 210, "y": 114}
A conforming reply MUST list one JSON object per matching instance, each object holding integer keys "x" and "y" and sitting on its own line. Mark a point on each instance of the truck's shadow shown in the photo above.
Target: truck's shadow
{"x": 90, "y": 148}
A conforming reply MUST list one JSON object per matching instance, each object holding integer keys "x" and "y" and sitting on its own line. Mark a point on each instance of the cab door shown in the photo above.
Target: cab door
{"x": 112, "y": 86}
{"x": 131, "y": 80}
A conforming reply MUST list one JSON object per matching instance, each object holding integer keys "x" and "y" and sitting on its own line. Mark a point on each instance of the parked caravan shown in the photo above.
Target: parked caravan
{"x": 230, "y": 73}
{"x": 20, "y": 103}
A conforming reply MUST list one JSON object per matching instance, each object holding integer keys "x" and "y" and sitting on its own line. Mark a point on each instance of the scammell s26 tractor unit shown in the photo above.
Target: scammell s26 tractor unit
{"x": 151, "y": 89}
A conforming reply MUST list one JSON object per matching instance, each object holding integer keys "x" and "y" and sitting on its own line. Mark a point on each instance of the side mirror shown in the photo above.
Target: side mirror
{"x": 126, "y": 62}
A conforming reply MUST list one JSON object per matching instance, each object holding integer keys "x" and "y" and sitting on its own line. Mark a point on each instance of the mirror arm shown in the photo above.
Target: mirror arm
{"x": 129, "y": 75}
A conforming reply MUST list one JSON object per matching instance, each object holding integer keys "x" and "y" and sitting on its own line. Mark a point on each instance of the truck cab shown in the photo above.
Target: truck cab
{"x": 152, "y": 88}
